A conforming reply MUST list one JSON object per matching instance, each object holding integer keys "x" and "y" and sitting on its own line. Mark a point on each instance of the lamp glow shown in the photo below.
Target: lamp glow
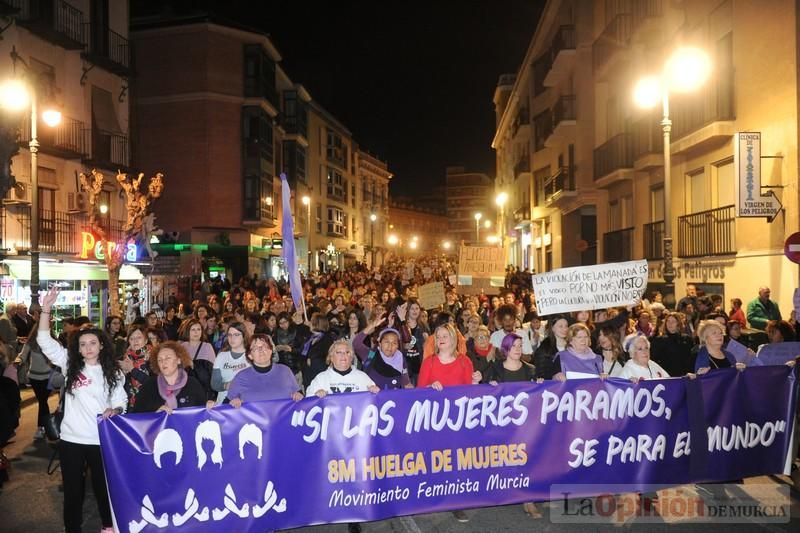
{"x": 492, "y": 239}
{"x": 373, "y": 217}
{"x": 103, "y": 209}
{"x": 392, "y": 240}
{"x": 687, "y": 69}
{"x": 501, "y": 199}
{"x": 478, "y": 216}
{"x": 306, "y": 200}
{"x": 647, "y": 93}
{"x": 487, "y": 223}
{"x": 52, "y": 117}
{"x": 14, "y": 95}
{"x": 413, "y": 245}
{"x": 446, "y": 245}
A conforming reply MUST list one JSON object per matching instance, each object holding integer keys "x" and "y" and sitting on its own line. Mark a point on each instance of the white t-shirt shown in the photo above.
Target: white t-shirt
{"x": 228, "y": 367}
{"x": 653, "y": 371}
{"x": 89, "y": 396}
{"x": 333, "y": 382}
{"x": 497, "y": 339}
{"x": 614, "y": 372}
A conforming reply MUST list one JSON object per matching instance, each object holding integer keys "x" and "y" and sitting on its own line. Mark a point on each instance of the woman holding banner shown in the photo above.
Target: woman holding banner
{"x": 262, "y": 380}
{"x": 672, "y": 349}
{"x": 578, "y": 361}
{"x": 481, "y": 352}
{"x": 610, "y": 347}
{"x": 640, "y": 366}
{"x": 447, "y": 367}
{"x": 513, "y": 369}
{"x": 554, "y": 342}
{"x": 170, "y": 386}
{"x": 711, "y": 355}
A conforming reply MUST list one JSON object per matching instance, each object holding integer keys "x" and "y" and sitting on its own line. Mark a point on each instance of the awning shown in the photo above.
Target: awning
{"x": 103, "y": 113}
{"x": 69, "y": 270}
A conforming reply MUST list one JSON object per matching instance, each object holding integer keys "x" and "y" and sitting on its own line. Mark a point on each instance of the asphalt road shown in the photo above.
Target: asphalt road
{"x": 31, "y": 502}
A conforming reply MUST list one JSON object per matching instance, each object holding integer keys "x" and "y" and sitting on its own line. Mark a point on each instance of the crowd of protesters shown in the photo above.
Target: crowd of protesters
{"x": 357, "y": 330}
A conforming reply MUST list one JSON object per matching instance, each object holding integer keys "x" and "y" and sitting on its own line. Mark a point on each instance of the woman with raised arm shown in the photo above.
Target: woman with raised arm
{"x": 95, "y": 386}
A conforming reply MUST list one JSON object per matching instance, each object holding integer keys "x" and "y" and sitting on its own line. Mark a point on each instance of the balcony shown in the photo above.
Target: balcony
{"x": 108, "y": 49}
{"x": 68, "y": 140}
{"x": 704, "y": 118}
{"x": 562, "y": 56}
{"x": 613, "y": 160}
{"x": 609, "y": 47}
{"x": 522, "y": 214}
{"x": 654, "y": 240}
{"x": 53, "y": 20}
{"x": 559, "y": 186}
{"x": 711, "y": 232}
{"x": 563, "y": 120}
{"x": 109, "y": 150}
{"x": 618, "y": 245}
{"x": 523, "y": 166}
{"x": 647, "y": 142}
{"x": 59, "y": 232}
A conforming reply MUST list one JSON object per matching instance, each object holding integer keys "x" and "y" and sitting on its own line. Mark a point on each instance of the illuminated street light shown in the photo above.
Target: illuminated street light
{"x": 446, "y": 245}
{"x": 487, "y": 223}
{"x": 478, "y": 217}
{"x": 372, "y": 218}
{"x": 413, "y": 245}
{"x": 492, "y": 239}
{"x": 392, "y": 240}
{"x": 103, "y": 209}
{"x": 414, "y": 238}
{"x": 501, "y": 199}
{"x": 686, "y": 70}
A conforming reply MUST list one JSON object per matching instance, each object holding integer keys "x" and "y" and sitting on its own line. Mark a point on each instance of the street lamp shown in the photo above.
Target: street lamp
{"x": 478, "y": 227}
{"x": 15, "y": 96}
{"x": 685, "y": 71}
{"x": 307, "y": 202}
{"x": 392, "y": 240}
{"x": 372, "y": 218}
{"x": 446, "y": 245}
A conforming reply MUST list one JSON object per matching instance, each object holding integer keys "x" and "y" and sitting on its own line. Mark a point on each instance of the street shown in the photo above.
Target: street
{"x": 31, "y": 501}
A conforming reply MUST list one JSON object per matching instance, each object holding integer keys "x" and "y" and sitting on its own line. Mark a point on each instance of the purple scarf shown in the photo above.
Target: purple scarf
{"x": 310, "y": 342}
{"x": 395, "y": 360}
{"x": 170, "y": 392}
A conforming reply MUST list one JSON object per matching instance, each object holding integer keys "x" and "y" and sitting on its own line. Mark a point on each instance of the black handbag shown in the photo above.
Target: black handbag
{"x": 201, "y": 371}
{"x": 52, "y": 426}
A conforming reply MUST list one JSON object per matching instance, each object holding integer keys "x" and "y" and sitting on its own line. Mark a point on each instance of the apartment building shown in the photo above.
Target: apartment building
{"x": 592, "y": 162}
{"x": 218, "y": 112}
{"x": 74, "y": 56}
{"x": 374, "y": 175}
{"x": 411, "y": 222}
{"x": 469, "y": 206}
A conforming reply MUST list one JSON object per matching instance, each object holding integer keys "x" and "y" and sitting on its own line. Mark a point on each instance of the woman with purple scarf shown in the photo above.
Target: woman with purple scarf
{"x": 170, "y": 387}
{"x": 578, "y": 361}
{"x": 384, "y": 364}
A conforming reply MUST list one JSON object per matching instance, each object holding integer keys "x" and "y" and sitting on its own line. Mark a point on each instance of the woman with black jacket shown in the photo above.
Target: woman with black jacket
{"x": 170, "y": 386}
{"x": 554, "y": 342}
{"x": 314, "y": 351}
{"x": 672, "y": 349}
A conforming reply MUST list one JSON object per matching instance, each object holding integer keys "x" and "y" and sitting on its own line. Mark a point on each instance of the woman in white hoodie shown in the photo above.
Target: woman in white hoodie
{"x": 95, "y": 385}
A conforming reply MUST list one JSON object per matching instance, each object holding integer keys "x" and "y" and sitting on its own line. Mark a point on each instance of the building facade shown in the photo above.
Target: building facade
{"x": 410, "y": 223}
{"x": 374, "y": 176}
{"x": 593, "y": 164}
{"x": 75, "y": 58}
{"x": 467, "y": 195}
{"x": 217, "y": 111}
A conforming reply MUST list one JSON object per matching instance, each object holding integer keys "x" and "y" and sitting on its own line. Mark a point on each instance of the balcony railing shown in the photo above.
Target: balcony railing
{"x": 654, "y": 240}
{"x": 618, "y": 245}
{"x": 711, "y": 232}
{"x": 714, "y": 103}
{"x": 521, "y": 119}
{"x": 564, "y": 109}
{"x": 647, "y": 136}
{"x": 108, "y": 48}
{"x": 564, "y": 39}
{"x": 563, "y": 180}
{"x": 69, "y": 138}
{"x": 523, "y": 165}
{"x": 109, "y": 148}
{"x": 612, "y": 40}
{"x": 55, "y": 20}
{"x": 59, "y": 232}
{"x": 614, "y": 154}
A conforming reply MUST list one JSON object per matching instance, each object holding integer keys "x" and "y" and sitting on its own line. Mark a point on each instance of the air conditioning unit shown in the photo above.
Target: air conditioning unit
{"x": 20, "y": 194}
{"x": 77, "y": 202}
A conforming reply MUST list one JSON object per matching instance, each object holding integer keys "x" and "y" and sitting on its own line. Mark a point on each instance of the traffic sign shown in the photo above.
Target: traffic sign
{"x": 792, "y": 247}
{"x": 751, "y": 202}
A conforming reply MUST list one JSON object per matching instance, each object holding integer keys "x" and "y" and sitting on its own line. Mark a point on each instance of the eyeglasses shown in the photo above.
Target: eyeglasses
{"x": 234, "y": 333}
{"x": 481, "y": 336}
{"x": 260, "y": 348}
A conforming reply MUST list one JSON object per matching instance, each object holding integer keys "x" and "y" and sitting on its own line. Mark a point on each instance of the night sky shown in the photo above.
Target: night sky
{"x": 412, "y": 80}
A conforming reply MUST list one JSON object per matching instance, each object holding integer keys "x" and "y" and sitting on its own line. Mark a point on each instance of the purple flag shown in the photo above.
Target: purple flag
{"x": 289, "y": 256}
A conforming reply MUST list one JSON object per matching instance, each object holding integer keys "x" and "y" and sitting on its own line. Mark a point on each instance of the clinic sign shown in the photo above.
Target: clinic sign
{"x": 750, "y": 201}
{"x": 92, "y": 248}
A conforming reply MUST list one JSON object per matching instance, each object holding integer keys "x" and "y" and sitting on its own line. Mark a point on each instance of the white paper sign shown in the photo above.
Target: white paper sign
{"x": 590, "y": 287}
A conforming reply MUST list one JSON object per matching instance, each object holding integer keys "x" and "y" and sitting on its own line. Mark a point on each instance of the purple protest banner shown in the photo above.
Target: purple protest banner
{"x": 353, "y": 457}
{"x": 778, "y": 353}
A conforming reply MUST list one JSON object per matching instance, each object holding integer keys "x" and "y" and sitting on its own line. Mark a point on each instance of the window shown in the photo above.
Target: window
{"x": 259, "y": 74}
{"x": 695, "y": 192}
{"x": 353, "y": 194}
{"x": 336, "y": 151}
{"x": 257, "y": 136}
{"x": 295, "y": 114}
{"x": 336, "y": 221}
{"x": 724, "y": 184}
{"x": 259, "y": 198}
{"x": 657, "y": 204}
{"x": 294, "y": 161}
{"x": 47, "y": 213}
{"x": 336, "y": 185}
{"x": 319, "y": 218}
{"x": 539, "y": 178}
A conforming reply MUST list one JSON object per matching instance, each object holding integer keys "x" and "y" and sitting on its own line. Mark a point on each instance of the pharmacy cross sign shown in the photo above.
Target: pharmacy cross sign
{"x": 792, "y": 247}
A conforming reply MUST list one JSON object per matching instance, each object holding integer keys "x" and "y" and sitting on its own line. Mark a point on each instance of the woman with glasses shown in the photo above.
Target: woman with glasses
{"x": 262, "y": 380}
{"x": 578, "y": 361}
{"x": 170, "y": 387}
{"x": 481, "y": 352}
{"x": 230, "y": 361}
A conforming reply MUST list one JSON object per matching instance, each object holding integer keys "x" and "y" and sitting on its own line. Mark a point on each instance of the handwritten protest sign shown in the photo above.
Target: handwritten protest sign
{"x": 281, "y": 464}
{"x": 779, "y": 353}
{"x": 431, "y": 295}
{"x": 481, "y": 268}
{"x": 590, "y": 287}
